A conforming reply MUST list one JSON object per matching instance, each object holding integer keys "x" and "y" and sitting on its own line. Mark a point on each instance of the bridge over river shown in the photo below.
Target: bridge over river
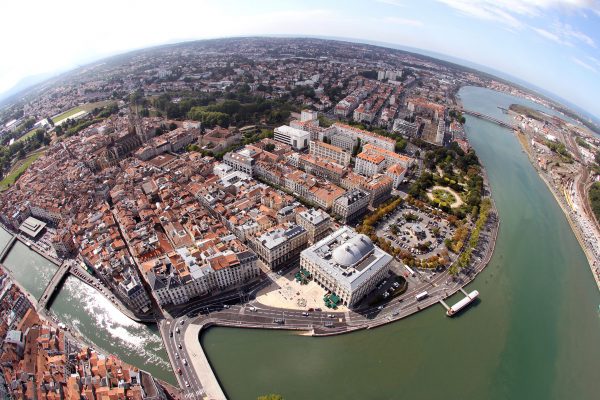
{"x": 489, "y": 118}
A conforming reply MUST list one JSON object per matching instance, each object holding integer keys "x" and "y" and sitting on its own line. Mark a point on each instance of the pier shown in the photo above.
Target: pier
{"x": 7, "y": 248}
{"x": 446, "y": 306}
{"x": 53, "y": 285}
{"x": 488, "y": 118}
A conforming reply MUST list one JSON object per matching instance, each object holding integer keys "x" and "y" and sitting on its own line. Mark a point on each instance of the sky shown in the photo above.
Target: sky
{"x": 553, "y": 44}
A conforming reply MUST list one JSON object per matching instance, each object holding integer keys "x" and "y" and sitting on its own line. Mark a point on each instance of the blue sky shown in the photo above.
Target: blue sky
{"x": 554, "y": 44}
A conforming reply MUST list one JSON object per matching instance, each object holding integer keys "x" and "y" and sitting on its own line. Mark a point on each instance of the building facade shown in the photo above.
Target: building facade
{"x": 347, "y": 264}
{"x": 281, "y": 246}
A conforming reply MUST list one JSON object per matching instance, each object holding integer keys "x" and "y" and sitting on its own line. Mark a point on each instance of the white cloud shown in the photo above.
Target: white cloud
{"x": 509, "y": 12}
{"x": 564, "y": 34}
{"x": 594, "y": 60}
{"x": 397, "y": 3}
{"x": 405, "y": 21}
{"x": 551, "y": 36}
{"x": 485, "y": 10}
{"x": 584, "y": 64}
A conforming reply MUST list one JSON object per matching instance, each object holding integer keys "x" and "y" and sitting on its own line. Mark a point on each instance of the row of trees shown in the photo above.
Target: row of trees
{"x": 465, "y": 258}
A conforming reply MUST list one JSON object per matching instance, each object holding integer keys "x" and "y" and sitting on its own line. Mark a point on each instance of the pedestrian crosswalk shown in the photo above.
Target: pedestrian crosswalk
{"x": 198, "y": 394}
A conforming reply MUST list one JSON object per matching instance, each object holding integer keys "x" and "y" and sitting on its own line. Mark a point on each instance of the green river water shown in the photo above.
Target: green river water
{"x": 534, "y": 335}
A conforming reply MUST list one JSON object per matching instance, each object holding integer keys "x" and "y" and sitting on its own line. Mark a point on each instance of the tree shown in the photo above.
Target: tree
{"x": 269, "y": 147}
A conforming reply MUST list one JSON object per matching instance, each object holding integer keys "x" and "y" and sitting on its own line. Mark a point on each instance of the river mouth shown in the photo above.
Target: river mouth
{"x": 533, "y": 335}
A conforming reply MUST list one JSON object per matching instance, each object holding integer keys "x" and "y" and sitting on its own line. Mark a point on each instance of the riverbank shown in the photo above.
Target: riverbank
{"x": 592, "y": 260}
{"x": 72, "y": 337}
{"x": 238, "y": 318}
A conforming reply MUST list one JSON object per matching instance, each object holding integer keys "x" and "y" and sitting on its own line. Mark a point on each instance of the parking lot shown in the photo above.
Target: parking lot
{"x": 416, "y": 231}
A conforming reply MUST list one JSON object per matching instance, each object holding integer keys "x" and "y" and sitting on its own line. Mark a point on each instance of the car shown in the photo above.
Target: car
{"x": 179, "y": 371}
{"x": 171, "y": 334}
{"x": 330, "y": 316}
{"x": 318, "y": 309}
{"x": 182, "y": 322}
{"x": 176, "y": 355}
{"x": 187, "y": 384}
{"x": 305, "y": 314}
{"x": 380, "y": 308}
{"x": 386, "y": 295}
{"x": 252, "y": 308}
{"x": 226, "y": 306}
{"x": 184, "y": 361}
{"x": 179, "y": 346}
{"x": 396, "y": 284}
{"x": 395, "y": 313}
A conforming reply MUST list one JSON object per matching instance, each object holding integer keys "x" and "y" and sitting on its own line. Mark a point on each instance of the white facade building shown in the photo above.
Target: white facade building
{"x": 296, "y": 138}
{"x": 346, "y": 263}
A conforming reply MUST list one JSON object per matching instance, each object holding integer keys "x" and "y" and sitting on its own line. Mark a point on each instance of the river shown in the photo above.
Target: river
{"x": 91, "y": 314}
{"x": 534, "y": 335}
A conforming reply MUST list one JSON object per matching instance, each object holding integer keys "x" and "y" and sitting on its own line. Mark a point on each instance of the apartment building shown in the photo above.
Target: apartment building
{"x": 351, "y": 206}
{"x": 315, "y": 222}
{"x": 281, "y": 246}
{"x": 242, "y": 160}
{"x": 334, "y": 153}
{"x": 342, "y": 135}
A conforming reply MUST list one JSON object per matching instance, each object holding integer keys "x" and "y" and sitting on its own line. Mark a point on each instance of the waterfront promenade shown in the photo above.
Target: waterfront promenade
{"x": 197, "y": 375}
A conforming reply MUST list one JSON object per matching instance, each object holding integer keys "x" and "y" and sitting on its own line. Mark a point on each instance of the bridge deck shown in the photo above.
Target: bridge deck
{"x": 54, "y": 283}
{"x": 489, "y": 118}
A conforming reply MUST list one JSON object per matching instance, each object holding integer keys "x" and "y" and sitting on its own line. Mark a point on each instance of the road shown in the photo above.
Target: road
{"x": 253, "y": 314}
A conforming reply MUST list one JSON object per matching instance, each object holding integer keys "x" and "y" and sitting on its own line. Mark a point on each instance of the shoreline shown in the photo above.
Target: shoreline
{"x": 574, "y": 227}
{"x": 73, "y": 334}
{"x": 194, "y": 329}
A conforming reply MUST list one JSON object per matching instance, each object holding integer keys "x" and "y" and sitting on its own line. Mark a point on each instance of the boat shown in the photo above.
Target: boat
{"x": 462, "y": 303}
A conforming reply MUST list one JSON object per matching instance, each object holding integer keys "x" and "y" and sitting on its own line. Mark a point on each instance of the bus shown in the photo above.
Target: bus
{"x": 421, "y": 296}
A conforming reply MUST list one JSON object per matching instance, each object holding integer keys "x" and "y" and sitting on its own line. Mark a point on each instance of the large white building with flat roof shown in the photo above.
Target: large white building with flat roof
{"x": 296, "y": 138}
{"x": 346, "y": 263}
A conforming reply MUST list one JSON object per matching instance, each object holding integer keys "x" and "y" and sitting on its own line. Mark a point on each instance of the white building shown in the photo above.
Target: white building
{"x": 242, "y": 160}
{"x": 281, "y": 245}
{"x": 347, "y": 264}
{"x": 296, "y": 138}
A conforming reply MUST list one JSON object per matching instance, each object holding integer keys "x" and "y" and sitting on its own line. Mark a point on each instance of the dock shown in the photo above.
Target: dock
{"x": 446, "y": 306}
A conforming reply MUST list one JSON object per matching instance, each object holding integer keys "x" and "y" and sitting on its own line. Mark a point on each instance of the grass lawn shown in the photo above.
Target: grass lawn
{"x": 444, "y": 195}
{"x": 27, "y": 135}
{"x": 67, "y": 114}
{"x": 99, "y": 104}
{"x": 18, "y": 170}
